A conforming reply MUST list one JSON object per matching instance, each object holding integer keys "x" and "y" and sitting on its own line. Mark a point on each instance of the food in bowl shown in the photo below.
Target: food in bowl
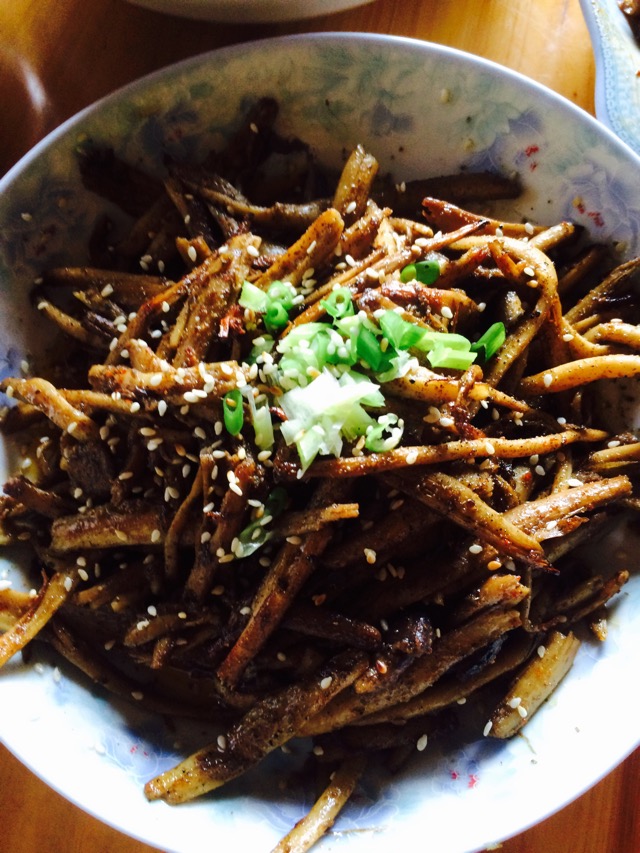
{"x": 298, "y": 480}
{"x": 424, "y": 111}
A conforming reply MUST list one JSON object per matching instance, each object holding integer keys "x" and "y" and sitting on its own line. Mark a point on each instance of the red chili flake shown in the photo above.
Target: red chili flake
{"x": 133, "y": 750}
{"x": 473, "y": 780}
{"x": 455, "y": 775}
{"x": 596, "y": 217}
{"x": 532, "y": 149}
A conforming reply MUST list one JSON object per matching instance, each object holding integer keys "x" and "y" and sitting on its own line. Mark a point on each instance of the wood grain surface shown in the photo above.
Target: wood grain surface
{"x": 57, "y": 56}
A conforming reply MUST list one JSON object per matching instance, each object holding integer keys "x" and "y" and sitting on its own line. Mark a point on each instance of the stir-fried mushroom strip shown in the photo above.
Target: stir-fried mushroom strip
{"x": 321, "y": 458}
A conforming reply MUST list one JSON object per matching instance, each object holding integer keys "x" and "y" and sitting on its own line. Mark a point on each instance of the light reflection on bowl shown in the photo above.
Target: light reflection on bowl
{"x": 25, "y": 107}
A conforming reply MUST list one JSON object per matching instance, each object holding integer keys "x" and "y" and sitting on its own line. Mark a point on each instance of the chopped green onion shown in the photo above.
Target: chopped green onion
{"x": 339, "y": 303}
{"x": 450, "y": 340}
{"x": 253, "y": 298}
{"x": 232, "y": 411}
{"x": 263, "y": 427}
{"x": 304, "y": 332}
{"x": 426, "y": 272}
{"x": 385, "y": 434}
{"x": 489, "y": 344}
{"x": 399, "y": 332}
{"x": 317, "y": 413}
{"x": 368, "y": 348}
{"x": 255, "y": 534}
{"x": 276, "y": 317}
{"x": 263, "y": 343}
{"x": 282, "y": 292}
{"x": 443, "y": 356}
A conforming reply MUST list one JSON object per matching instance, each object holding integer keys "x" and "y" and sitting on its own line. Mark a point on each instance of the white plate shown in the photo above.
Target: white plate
{"x": 423, "y": 110}
{"x": 249, "y": 11}
{"x": 617, "y": 56}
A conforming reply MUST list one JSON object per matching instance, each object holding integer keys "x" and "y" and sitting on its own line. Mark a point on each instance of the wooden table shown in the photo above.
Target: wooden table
{"x": 56, "y": 57}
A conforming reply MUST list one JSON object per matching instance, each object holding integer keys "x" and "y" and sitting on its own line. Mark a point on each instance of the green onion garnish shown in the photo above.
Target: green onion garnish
{"x": 232, "y": 411}
{"x": 443, "y": 356}
{"x": 276, "y": 317}
{"x": 489, "y": 344}
{"x": 400, "y": 333}
{"x": 253, "y": 298}
{"x": 368, "y": 348}
{"x": 256, "y": 534}
{"x": 385, "y": 434}
{"x": 426, "y": 272}
{"x": 339, "y": 303}
{"x": 282, "y": 292}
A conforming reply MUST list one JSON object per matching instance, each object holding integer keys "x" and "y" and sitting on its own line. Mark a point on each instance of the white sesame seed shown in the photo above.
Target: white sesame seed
{"x": 487, "y": 728}
{"x": 83, "y": 574}
{"x": 541, "y": 651}
{"x": 107, "y": 290}
{"x": 476, "y": 548}
{"x": 370, "y": 556}
{"x": 68, "y": 583}
{"x": 293, "y": 540}
{"x": 137, "y": 695}
{"x": 152, "y": 610}
{"x": 326, "y": 682}
{"x": 547, "y": 379}
{"x": 573, "y": 482}
{"x": 446, "y": 421}
{"x": 155, "y": 535}
{"x": 522, "y": 711}
{"x": 411, "y": 457}
{"x": 540, "y": 470}
{"x": 446, "y": 312}
{"x": 350, "y": 208}
{"x": 421, "y": 743}
{"x": 513, "y": 703}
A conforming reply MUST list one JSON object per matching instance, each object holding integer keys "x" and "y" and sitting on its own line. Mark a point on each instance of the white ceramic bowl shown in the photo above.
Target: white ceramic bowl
{"x": 617, "y": 57}
{"x": 423, "y": 110}
{"x": 249, "y": 11}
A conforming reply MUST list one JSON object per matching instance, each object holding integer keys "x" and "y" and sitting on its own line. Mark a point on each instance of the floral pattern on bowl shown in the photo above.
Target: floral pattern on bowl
{"x": 617, "y": 57}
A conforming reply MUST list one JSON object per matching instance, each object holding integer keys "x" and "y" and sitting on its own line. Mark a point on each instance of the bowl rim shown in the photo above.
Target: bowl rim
{"x": 147, "y": 80}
